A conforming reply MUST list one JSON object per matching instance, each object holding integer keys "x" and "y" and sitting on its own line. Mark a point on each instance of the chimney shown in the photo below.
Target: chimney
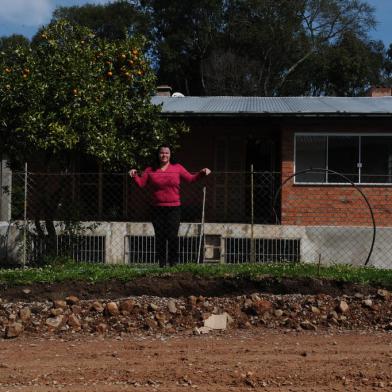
{"x": 164, "y": 91}
{"x": 379, "y": 92}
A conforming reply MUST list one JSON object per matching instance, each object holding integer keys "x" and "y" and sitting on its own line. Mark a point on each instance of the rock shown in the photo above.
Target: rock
{"x": 56, "y": 311}
{"x": 59, "y": 303}
{"x": 192, "y": 300}
{"x": 26, "y": 291}
{"x": 202, "y": 330}
{"x": 333, "y": 315}
{"x": 278, "y": 313}
{"x": 248, "y": 303}
{"x": 388, "y": 327}
{"x": 160, "y": 317}
{"x": 171, "y": 305}
{"x": 72, "y": 300}
{"x": 150, "y": 323}
{"x": 101, "y": 328}
{"x": 127, "y": 305}
{"x": 230, "y": 319}
{"x": 73, "y": 321}
{"x": 342, "y": 307}
{"x": 206, "y": 304}
{"x": 97, "y": 306}
{"x": 307, "y": 325}
{"x": 13, "y": 330}
{"x": 315, "y": 310}
{"x": 25, "y": 314}
{"x": 54, "y": 322}
{"x": 216, "y": 321}
{"x": 262, "y": 306}
{"x": 112, "y": 309}
{"x": 358, "y": 295}
{"x": 255, "y": 297}
{"x": 368, "y": 303}
{"x": 383, "y": 293}
{"x": 153, "y": 307}
{"x": 76, "y": 309}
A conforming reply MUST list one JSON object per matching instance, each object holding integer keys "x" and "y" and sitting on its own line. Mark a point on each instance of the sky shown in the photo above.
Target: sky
{"x": 26, "y": 16}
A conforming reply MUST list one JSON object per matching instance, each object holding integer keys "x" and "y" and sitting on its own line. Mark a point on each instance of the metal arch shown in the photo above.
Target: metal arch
{"x": 278, "y": 192}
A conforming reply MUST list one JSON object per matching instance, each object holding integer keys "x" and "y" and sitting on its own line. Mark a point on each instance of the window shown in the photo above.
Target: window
{"x": 311, "y": 152}
{"x": 343, "y": 157}
{"x": 376, "y": 153}
{"x": 363, "y": 159}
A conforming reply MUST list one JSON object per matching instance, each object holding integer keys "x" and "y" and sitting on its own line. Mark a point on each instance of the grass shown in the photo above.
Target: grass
{"x": 70, "y": 271}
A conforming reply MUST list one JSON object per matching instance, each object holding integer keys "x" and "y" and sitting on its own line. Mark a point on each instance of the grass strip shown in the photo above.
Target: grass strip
{"x": 89, "y": 272}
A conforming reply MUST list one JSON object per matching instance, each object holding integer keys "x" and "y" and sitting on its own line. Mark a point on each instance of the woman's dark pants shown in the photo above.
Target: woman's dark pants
{"x": 166, "y": 222}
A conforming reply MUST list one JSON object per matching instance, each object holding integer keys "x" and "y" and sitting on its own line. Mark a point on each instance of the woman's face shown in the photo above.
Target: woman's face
{"x": 164, "y": 155}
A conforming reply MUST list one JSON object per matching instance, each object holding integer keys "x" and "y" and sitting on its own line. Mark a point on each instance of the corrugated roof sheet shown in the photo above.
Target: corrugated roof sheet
{"x": 275, "y": 105}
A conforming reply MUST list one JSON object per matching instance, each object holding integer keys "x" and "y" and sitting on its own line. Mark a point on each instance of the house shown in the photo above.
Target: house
{"x": 328, "y": 213}
{"x": 255, "y": 207}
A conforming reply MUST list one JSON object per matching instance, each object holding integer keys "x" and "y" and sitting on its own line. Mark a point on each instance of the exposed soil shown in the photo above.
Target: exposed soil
{"x": 261, "y": 360}
{"x": 182, "y": 285}
{"x": 286, "y": 335}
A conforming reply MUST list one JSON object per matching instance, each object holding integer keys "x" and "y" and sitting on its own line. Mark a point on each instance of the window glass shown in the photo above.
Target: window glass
{"x": 343, "y": 157}
{"x": 311, "y": 152}
{"x": 376, "y": 157}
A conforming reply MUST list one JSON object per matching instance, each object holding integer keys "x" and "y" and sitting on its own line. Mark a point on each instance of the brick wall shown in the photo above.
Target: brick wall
{"x": 329, "y": 205}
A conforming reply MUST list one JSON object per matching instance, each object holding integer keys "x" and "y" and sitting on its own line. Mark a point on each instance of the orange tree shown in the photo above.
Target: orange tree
{"x": 73, "y": 93}
{"x": 68, "y": 94}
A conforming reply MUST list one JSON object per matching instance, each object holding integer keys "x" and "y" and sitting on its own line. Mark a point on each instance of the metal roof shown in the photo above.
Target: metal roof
{"x": 260, "y": 106}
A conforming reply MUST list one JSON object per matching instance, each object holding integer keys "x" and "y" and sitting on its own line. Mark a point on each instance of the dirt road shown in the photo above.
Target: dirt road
{"x": 240, "y": 360}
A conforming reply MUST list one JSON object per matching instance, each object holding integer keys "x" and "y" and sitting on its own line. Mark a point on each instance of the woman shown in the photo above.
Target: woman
{"x": 164, "y": 181}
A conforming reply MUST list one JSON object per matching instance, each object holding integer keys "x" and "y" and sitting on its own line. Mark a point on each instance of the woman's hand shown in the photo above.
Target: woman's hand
{"x": 132, "y": 173}
{"x": 206, "y": 171}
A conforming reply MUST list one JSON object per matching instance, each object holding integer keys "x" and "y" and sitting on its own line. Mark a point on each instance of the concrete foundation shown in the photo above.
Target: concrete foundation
{"x": 331, "y": 245}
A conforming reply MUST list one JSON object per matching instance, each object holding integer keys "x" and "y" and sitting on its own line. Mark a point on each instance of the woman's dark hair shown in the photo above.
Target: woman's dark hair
{"x": 156, "y": 163}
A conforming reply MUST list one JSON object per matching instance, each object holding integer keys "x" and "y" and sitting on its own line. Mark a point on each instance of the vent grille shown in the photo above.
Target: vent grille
{"x": 141, "y": 249}
{"x": 89, "y": 249}
{"x": 266, "y": 250}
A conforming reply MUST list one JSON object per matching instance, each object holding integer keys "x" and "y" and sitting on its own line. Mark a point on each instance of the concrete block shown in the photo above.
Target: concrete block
{"x": 216, "y": 321}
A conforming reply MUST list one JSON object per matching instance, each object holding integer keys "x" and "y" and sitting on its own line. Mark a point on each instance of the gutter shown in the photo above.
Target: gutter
{"x": 276, "y": 115}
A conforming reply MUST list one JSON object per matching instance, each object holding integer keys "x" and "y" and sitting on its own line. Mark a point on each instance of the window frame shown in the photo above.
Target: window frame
{"x": 359, "y": 164}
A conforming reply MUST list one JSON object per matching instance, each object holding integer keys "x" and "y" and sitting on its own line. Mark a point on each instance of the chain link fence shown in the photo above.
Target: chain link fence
{"x": 226, "y": 217}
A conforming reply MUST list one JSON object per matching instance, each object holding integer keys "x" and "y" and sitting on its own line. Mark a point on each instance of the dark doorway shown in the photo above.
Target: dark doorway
{"x": 263, "y": 156}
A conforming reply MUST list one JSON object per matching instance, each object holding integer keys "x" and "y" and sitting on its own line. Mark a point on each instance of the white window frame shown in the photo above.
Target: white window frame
{"x": 359, "y": 164}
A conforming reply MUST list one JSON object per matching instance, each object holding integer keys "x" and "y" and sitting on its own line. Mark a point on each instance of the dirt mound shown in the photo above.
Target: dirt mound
{"x": 180, "y": 285}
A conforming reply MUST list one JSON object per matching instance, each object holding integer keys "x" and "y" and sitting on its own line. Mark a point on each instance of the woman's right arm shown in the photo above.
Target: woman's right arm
{"x": 141, "y": 181}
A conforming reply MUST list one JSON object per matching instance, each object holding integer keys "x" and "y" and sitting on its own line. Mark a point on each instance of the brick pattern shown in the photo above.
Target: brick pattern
{"x": 329, "y": 205}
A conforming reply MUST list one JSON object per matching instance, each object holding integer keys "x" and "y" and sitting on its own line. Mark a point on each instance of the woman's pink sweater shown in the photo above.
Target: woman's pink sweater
{"x": 165, "y": 184}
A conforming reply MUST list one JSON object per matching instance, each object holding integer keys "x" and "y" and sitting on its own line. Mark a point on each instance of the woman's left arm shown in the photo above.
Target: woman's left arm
{"x": 188, "y": 177}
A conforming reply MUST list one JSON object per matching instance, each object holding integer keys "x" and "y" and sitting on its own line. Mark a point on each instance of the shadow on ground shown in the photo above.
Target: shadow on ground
{"x": 180, "y": 285}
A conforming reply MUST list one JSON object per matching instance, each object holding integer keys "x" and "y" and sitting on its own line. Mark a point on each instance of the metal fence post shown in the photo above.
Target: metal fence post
{"x": 252, "y": 217}
{"x": 201, "y": 238}
{"x": 25, "y": 218}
